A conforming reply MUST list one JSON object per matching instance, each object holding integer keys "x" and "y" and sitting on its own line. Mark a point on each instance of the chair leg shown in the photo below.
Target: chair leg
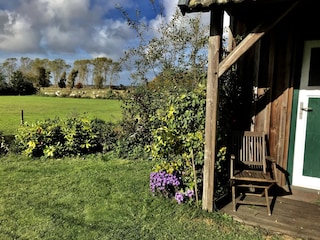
{"x": 267, "y": 201}
{"x": 234, "y": 197}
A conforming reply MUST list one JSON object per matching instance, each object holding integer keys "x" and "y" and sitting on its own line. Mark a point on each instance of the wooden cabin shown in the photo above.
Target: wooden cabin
{"x": 278, "y": 61}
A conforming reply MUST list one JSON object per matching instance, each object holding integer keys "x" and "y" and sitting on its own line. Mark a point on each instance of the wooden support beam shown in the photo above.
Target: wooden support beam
{"x": 249, "y": 40}
{"x": 211, "y": 108}
{"x": 238, "y": 51}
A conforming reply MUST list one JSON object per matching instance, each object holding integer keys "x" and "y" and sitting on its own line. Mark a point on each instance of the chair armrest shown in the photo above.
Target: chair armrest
{"x": 271, "y": 159}
{"x": 273, "y": 165}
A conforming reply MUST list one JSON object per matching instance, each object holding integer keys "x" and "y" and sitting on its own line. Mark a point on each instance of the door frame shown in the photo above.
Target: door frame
{"x": 305, "y": 91}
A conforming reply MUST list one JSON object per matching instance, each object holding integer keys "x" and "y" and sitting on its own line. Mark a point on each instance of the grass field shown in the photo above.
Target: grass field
{"x": 40, "y": 108}
{"x": 99, "y": 198}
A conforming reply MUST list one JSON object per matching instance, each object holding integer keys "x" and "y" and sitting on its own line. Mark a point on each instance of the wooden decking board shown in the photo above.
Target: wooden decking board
{"x": 287, "y": 208}
{"x": 295, "y": 218}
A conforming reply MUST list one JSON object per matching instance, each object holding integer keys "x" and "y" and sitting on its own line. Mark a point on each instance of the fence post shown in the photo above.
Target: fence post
{"x": 22, "y": 120}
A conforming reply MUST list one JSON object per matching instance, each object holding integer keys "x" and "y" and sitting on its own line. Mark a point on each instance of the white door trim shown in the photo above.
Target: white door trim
{"x": 305, "y": 92}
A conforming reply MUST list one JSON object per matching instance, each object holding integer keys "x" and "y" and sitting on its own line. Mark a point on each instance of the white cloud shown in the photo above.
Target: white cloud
{"x": 61, "y": 26}
{"x": 170, "y": 7}
{"x": 17, "y": 33}
{"x": 110, "y": 39}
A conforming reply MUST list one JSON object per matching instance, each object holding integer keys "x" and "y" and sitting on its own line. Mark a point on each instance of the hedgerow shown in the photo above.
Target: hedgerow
{"x": 55, "y": 138}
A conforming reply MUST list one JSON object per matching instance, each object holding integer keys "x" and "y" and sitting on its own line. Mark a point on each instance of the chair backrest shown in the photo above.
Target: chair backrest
{"x": 250, "y": 149}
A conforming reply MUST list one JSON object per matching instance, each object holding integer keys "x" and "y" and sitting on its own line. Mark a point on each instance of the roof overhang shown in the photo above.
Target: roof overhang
{"x": 231, "y": 6}
{"x": 187, "y": 6}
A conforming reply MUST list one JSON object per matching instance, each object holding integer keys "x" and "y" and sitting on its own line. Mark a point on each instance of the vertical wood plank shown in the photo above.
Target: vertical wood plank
{"x": 211, "y": 108}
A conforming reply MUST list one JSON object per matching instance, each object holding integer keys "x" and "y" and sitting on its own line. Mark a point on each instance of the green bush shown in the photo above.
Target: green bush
{"x": 63, "y": 137}
{"x": 135, "y": 129}
{"x": 107, "y": 134}
{"x": 4, "y": 147}
{"x": 178, "y": 138}
{"x": 139, "y": 105}
{"x": 178, "y": 142}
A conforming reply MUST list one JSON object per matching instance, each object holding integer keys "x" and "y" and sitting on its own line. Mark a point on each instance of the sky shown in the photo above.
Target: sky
{"x": 72, "y": 29}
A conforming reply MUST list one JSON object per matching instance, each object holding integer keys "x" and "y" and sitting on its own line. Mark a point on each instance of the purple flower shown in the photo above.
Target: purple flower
{"x": 164, "y": 183}
{"x": 179, "y": 197}
{"x": 189, "y": 193}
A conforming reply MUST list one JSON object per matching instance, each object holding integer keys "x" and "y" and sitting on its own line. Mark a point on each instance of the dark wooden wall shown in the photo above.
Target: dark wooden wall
{"x": 270, "y": 66}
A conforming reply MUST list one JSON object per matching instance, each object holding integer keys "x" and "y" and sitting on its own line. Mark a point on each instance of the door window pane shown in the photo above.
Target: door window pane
{"x": 314, "y": 72}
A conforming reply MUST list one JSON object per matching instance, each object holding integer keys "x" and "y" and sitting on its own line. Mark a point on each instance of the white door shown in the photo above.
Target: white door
{"x": 306, "y": 163}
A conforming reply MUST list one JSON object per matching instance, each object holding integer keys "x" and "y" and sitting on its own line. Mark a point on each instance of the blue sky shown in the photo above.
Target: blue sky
{"x": 72, "y": 29}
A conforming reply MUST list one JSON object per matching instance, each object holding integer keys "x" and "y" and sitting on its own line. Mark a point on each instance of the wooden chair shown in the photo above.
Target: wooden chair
{"x": 251, "y": 170}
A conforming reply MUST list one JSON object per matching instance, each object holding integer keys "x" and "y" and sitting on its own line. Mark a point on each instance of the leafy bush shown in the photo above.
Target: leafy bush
{"x": 107, "y": 133}
{"x": 178, "y": 142}
{"x": 4, "y": 147}
{"x": 135, "y": 129}
{"x": 139, "y": 105}
{"x": 63, "y": 137}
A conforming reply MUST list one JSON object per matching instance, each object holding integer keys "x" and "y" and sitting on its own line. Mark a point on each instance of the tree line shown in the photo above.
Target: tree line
{"x": 25, "y": 75}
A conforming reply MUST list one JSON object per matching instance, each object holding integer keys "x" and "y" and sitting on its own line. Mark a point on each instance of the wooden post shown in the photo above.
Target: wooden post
{"x": 22, "y": 118}
{"x": 216, "y": 23}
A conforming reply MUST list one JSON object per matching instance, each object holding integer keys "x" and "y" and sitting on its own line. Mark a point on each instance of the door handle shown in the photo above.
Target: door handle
{"x": 303, "y": 109}
{"x": 306, "y": 109}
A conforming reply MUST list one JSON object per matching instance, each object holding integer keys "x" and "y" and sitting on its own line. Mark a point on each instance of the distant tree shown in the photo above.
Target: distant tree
{"x": 57, "y": 67}
{"x": 40, "y": 63}
{"x": 62, "y": 81}
{"x": 72, "y": 78}
{"x": 102, "y": 67}
{"x": 8, "y": 67}
{"x": 25, "y": 65}
{"x": 114, "y": 73}
{"x": 3, "y": 84}
{"x": 83, "y": 66}
{"x": 20, "y": 85}
{"x": 98, "y": 81}
{"x": 43, "y": 77}
{"x": 17, "y": 81}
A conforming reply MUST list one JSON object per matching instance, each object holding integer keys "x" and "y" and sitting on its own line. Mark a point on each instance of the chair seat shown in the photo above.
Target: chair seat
{"x": 253, "y": 175}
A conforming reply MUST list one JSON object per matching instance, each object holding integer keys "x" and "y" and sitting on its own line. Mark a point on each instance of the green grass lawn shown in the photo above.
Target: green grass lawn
{"x": 40, "y": 108}
{"x": 99, "y": 198}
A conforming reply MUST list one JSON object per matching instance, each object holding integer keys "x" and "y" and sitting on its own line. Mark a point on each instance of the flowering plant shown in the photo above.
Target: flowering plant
{"x": 182, "y": 197}
{"x": 164, "y": 183}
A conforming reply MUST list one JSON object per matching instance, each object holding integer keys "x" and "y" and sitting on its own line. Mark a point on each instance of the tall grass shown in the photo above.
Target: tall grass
{"x": 98, "y": 198}
{"x": 40, "y": 108}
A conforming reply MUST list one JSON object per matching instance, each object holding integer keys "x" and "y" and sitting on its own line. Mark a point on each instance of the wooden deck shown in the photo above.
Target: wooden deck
{"x": 296, "y": 218}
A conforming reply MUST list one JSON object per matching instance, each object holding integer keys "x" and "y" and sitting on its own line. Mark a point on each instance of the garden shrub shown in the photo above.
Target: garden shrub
{"x": 178, "y": 145}
{"x": 178, "y": 141}
{"x": 107, "y": 133}
{"x": 63, "y": 137}
{"x": 135, "y": 129}
{"x": 168, "y": 123}
{"x": 139, "y": 105}
{"x": 4, "y": 146}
